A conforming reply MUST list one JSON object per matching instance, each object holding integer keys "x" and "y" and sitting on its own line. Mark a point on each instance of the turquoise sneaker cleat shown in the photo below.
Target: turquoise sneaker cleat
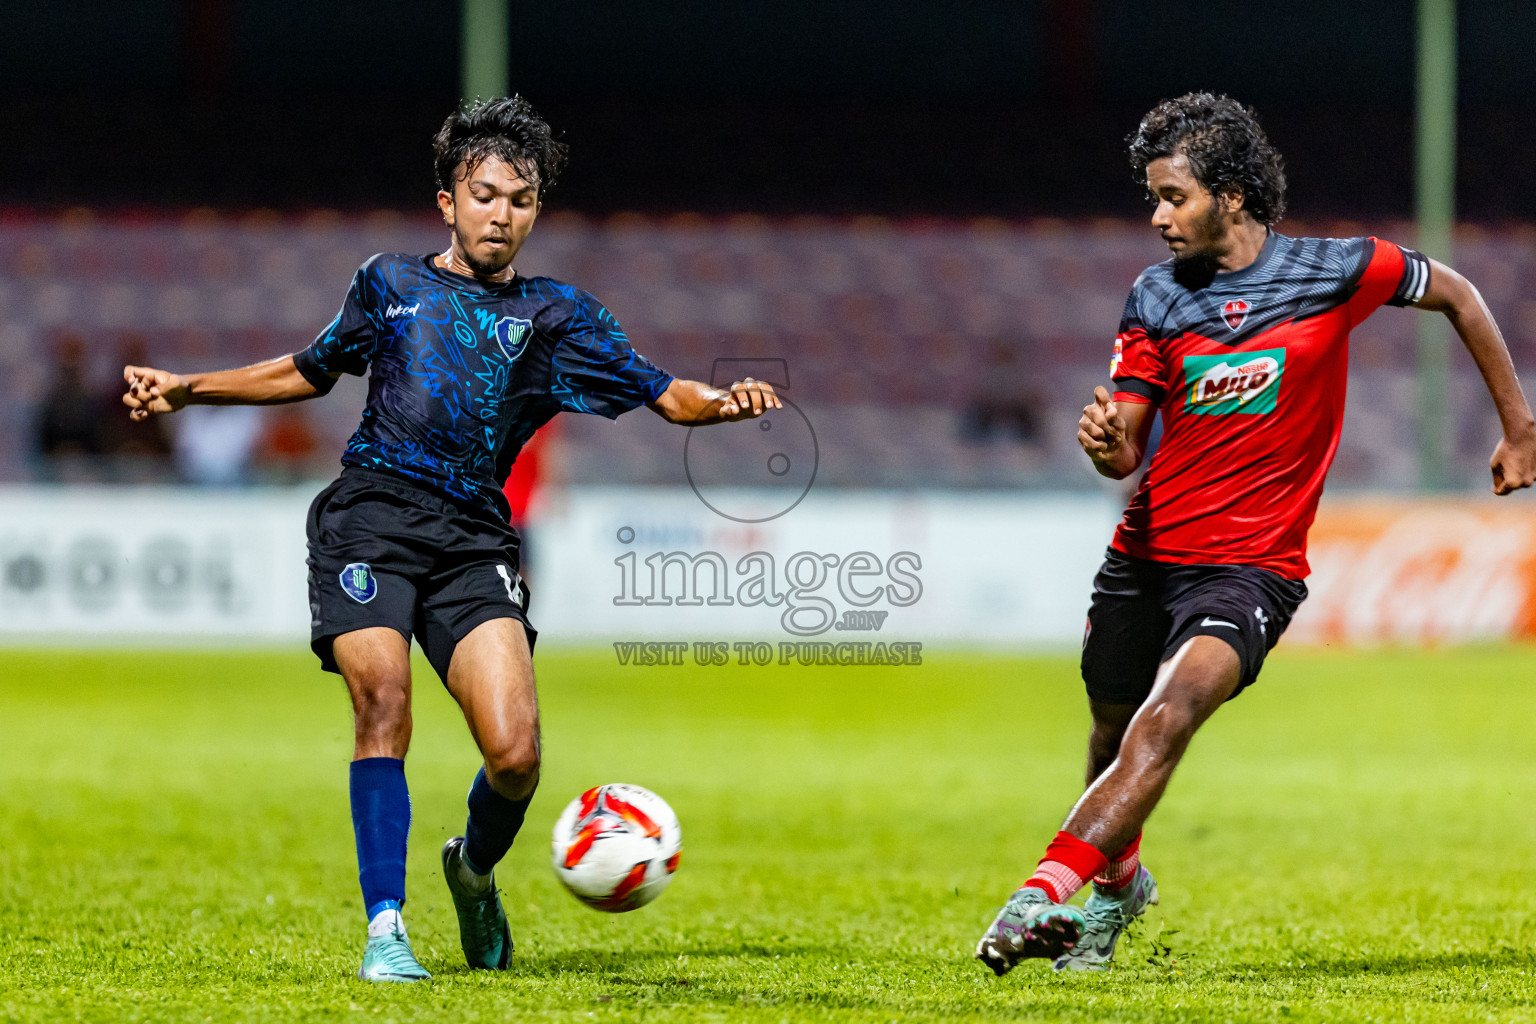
{"x": 1108, "y": 914}
{"x": 483, "y": 932}
{"x": 389, "y": 958}
{"x": 1029, "y": 925}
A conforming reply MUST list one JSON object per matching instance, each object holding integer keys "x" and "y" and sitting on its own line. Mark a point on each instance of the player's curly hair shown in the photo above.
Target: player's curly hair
{"x": 1227, "y": 149}
{"x": 505, "y": 127}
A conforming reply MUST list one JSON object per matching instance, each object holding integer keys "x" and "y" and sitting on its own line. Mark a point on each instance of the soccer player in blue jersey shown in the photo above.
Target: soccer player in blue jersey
{"x": 466, "y": 359}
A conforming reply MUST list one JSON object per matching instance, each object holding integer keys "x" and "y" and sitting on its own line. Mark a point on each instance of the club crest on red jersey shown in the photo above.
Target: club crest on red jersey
{"x": 1235, "y": 312}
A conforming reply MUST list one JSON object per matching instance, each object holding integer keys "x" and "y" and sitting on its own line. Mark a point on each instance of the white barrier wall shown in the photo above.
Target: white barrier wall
{"x": 841, "y": 566}
{"x": 154, "y": 565}
{"x": 632, "y": 567}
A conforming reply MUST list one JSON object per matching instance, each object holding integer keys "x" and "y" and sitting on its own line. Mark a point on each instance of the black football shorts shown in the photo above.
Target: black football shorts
{"x": 383, "y": 552}
{"x": 1142, "y": 613}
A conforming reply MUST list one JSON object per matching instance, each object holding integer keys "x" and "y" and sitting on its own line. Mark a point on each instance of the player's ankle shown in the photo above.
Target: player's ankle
{"x": 384, "y": 919}
{"x": 1068, "y": 864}
{"x": 471, "y": 878}
{"x": 1120, "y": 872}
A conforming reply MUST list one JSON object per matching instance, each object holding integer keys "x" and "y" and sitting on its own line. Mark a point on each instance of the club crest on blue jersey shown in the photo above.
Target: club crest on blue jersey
{"x": 512, "y": 334}
{"x": 359, "y": 582}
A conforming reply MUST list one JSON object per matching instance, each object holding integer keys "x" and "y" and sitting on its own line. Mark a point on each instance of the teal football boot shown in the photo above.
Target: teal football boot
{"x": 389, "y": 958}
{"x": 483, "y": 932}
{"x": 1108, "y": 914}
{"x": 1029, "y": 925}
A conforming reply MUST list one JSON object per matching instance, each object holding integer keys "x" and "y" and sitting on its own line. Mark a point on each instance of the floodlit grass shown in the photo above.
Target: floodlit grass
{"x": 1352, "y": 840}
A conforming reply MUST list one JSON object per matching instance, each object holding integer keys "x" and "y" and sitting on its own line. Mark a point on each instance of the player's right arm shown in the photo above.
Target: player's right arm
{"x": 1116, "y": 426}
{"x": 346, "y": 346}
{"x": 1115, "y": 434}
{"x": 151, "y": 391}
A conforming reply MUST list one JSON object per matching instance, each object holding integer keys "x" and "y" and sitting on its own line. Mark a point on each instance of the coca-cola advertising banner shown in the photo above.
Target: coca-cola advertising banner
{"x": 1420, "y": 571}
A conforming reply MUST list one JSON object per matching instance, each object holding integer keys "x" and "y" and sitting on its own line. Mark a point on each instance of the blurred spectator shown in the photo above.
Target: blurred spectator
{"x": 68, "y": 419}
{"x": 285, "y": 451}
{"x": 214, "y": 443}
{"x": 138, "y": 451}
{"x": 1011, "y": 419}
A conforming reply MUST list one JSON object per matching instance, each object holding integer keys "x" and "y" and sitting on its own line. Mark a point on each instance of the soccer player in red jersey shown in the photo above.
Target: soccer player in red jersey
{"x": 1240, "y": 342}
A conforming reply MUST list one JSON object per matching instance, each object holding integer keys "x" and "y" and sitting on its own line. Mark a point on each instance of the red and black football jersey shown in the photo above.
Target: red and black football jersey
{"x": 1248, "y": 370}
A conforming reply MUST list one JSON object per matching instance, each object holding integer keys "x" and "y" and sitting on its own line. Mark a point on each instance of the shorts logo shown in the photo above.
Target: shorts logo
{"x": 512, "y": 333}
{"x": 1235, "y": 312}
{"x": 507, "y": 580}
{"x": 1243, "y": 382}
{"x": 359, "y": 582}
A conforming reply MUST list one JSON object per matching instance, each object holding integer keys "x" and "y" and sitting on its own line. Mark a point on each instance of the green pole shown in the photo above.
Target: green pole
{"x": 483, "y": 48}
{"x": 1435, "y": 207}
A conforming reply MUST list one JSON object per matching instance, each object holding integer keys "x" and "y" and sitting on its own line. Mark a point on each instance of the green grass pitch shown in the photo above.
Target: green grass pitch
{"x": 1352, "y": 840}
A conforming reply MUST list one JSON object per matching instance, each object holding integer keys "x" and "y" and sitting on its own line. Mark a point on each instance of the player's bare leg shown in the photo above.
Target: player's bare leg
{"x": 1125, "y": 888}
{"x": 1189, "y": 688}
{"x": 491, "y": 676}
{"x": 376, "y": 664}
{"x": 1109, "y": 724}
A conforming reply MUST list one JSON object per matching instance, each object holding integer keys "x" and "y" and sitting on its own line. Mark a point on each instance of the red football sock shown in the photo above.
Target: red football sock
{"x": 1122, "y": 869}
{"x": 1066, "y": 867}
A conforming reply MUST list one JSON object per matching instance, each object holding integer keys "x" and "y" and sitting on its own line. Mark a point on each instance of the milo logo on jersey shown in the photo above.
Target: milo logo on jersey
{"x": 1245, "y": 382}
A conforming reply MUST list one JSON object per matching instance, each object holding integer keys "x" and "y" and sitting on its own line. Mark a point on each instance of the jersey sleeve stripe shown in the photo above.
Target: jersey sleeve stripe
{"x": 1415, "y": 279}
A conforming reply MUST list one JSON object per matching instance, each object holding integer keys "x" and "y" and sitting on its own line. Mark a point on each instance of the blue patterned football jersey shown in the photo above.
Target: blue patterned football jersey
{"x": 460, "y": 374}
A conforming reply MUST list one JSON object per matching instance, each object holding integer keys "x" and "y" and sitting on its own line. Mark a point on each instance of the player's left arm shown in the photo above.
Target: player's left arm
{"x": 1514, "y": 460}
{"x": 693, "y": 403}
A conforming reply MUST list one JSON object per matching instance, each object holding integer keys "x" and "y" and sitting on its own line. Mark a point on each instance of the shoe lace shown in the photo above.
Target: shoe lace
{"x": 396, "y": 954}
{"x": 1106, "y": 914}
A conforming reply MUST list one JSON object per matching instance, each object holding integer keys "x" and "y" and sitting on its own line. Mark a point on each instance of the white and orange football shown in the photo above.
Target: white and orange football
{"x": 616, "y": 847}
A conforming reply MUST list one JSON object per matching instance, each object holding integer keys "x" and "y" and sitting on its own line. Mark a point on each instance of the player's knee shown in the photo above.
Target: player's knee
{"x": 381, "y": 700}
{"x": 1166, "y": 728}
{"x": 513, "y": 769}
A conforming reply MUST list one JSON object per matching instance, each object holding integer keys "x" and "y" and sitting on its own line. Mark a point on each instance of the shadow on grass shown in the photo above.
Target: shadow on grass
{"x": 615, "y": 964}
{"x": 1296, "y": 965}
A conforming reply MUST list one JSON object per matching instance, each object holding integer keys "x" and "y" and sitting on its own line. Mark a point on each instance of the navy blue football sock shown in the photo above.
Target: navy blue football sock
{"x": 381, "y": 821}
{"x": 493, "y": 824}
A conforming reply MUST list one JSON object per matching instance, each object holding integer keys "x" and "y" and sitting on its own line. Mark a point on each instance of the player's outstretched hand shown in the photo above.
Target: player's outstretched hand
{"x": 153, "y": 391}
{"x": 1513, "y": 465}
{"x": 748, "y": 398}
{"x": 1101, "y": 431}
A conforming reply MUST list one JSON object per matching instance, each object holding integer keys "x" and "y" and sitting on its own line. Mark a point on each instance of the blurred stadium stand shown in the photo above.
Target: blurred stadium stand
{"x": 925, "y": 353}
